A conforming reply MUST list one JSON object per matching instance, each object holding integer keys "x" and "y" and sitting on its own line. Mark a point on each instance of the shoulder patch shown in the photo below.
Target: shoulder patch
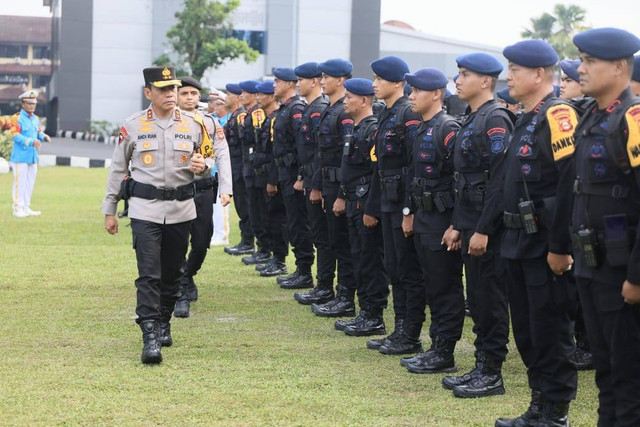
{"x": 316, "y": 114}
{"x": 241, "y": 118}
{"x": 297, "y": 116}
{"x": 562, "y": 123}
{"x": 412, "y": 123}
{"x": 123, "y": 134}
{"x": 633, "y": 141}
{"x": 257, "y": 117}
{"x": 347, "y": 122}
{"x": 447, "y": 139}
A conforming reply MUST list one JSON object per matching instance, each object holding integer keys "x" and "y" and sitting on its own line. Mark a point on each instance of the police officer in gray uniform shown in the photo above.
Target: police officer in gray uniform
{"x": 167, "y": 149}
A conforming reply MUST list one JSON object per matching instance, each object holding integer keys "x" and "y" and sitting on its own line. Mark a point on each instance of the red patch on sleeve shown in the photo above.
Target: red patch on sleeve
{"x": 496, "y": 130}
{"x": 315, "y": 115}
{"x": 412, "y": 123}
{"x": 297, "y": 116}
{"x": 347, "y": 122}
{"x": 123, "y": 134}
{"x": 447, "y": 138}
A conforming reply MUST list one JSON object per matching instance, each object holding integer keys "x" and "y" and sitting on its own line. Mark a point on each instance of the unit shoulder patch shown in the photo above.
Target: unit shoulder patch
{"x": 562, "y": 121}
{"x": 632, "y": 116}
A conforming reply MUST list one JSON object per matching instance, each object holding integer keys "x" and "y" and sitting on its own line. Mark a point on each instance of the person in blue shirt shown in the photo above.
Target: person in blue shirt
{"x": 27, "y": 139}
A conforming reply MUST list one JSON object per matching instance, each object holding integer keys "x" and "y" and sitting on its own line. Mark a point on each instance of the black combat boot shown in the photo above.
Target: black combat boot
{"x": 183, "y": 305}
{"x": 341, "y": 324}
{"x": 164, "y": 327}
{"x": 439, "y": 358}
{"x": 265, "y": 265}
{"x": 278, "y": 268}
{"x": 318, "y": 295}
{"x": 376, "y": 344}
{"x": 242, "y": 248}
{"x": 450, "y": 382}
{"x": 304, "y": 280}
{"x": 191, "y": 289}
{"x": 259, "y": 257}
{"x": 529, "y": 418}
{"x": 488, "y": 383}
{"x": 150, "y": 347}
{"x": 371, "y": 323}
{"x": 288, "y": 278}
{"x": 581, "y": 357}
{"x": 341, "y": 306}
{"x": 554, "y": 414}
{"x": 407, "y": 342}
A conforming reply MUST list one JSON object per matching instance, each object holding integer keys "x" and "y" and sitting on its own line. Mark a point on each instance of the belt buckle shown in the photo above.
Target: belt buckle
{"x": 168, "y": 193}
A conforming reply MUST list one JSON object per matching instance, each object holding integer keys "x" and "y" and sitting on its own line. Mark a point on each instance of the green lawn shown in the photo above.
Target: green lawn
{"x": 249, "y": 354}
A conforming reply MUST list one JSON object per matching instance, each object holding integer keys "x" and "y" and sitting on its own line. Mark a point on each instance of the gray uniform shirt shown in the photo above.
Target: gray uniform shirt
{"x": 221, "y": 154}
{"x": 157, "y": 152}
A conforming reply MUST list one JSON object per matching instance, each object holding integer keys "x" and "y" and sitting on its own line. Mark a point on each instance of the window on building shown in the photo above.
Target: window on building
{"x": 255, "y": 39}
{"x": 13, "y": 50}
{"x": 41, "y": 81}
{"x": 40, "y": 52}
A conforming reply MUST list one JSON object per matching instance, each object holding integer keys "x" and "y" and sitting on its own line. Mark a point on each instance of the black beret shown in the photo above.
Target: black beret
{"x": 190, "y": 81}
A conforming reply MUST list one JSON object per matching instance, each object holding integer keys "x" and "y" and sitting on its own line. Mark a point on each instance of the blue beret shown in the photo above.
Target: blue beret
{"x": 531, "y": 53}
{"x": 285, "y": 74}
{"x": 504, "y": 95}
{"x": 481, "y": 63}
{"x": 308, "y": 70}
{"x": 556, "y": 90}
{"x": 455, "y": 78}
{"x": 363, "y": 87}
{"x": 390, "y": 68}
{"x": 265, "y": 87}
{"x": 336, "y": 67}
{"x": 607, "y": 43}
{"x": 570, "y": 68}
{"x": 407, "y": 89}
{"x": 249, "y": 86}
{"x": 636, "y": 69}
{"x": 447, "y": 93}
{"x": 427, "y": 79}
{"x": 233, "y": 88}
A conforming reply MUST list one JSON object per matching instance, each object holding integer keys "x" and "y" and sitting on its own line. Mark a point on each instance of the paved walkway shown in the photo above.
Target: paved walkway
{"x": 67, "y": 147}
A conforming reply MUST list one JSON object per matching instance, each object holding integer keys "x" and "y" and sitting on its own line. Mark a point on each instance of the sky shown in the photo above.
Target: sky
{"x": 491, "y": 22}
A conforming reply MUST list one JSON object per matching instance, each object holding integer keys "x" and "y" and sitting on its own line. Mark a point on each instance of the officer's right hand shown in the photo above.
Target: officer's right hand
{"x": 407, "y": 225}
{"x": 111, "y": 224}
{"x": 559, "y": 263}
{"x": 339, "y": 207}
{"x": 315, "y": 196}
{"x": 369, "y": 221}
{"x": 451, "y": 239}
{"x": 299, "y": 185}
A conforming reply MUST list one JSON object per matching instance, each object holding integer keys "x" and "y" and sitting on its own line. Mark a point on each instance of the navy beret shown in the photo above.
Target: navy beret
{"x": 363, "y": 87}
{"x": 390, "y": 68}
{"x": 556, "y": 90}
{"x": 636, "y": 69}
{"x": 285, "y": 74}
{"x": 570, "y": 68}
{"x": 531, "y": 53}
{"x": 455, "y": 78}
{"x": 607, "y": 43}
{"x": 447, "y": 93}
{"x": 481, "y": 63}
{"x": 190, "y": 81}
{"x": 265, "y": 87}
{"x": 233, "y": 88}
{"x": 336, "y": 67}
{"x": 427, "y": 79}
{"x": 249, "y": 86}
{"x": 308, "y": 70}
{"x": 504, "y": 95}
{"x": 407, "y": 89}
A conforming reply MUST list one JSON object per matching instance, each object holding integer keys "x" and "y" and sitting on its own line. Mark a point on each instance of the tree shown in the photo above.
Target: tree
{"x": 201, "y": 38}
{"x": 559, "y": 28}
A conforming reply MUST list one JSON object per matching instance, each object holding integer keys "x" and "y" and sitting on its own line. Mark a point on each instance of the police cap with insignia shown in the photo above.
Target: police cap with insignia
{"x": 160, "y": 76}
{"x": 607, "y": 43}
{"x": 190, "y": 81}
{"x": 308, "y": 70}
{"x": 336, "y": 67}
{"x": 427, "y": 79}
{"x": 286, "y": 74}
{"x": 30, "y": 96}
{"x": 481, "y": 63}
{"x": 362, "y": 87}
{"x": 504, "y": 95}
{"x": 531, "y": 53}
{"x": 249, "y": 86}
{"x": 570, "y": 68}
{"x": 636, "y": 69}
{"x": 265, "y": 87}
{"x": 390, "y": 68}
{"x": 233, "y": 88}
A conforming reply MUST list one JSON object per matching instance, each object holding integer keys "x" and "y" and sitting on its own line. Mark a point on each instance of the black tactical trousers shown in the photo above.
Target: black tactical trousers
{"x": 403, "y": 267}
{"x": 325, "y": 257}
{"x": 297, "y": 226}
{"x": 540, "y": 304}
{"x": 487, "y": 297}
{"x": 276, "y": 226}
{"x": 160, "y": 250}
{"x": 258, "y": 215}
{"x": 241, "y": 204}
{"x": 339, "y": 237}
{"x": 368, "y": 255}
{"x": 201, "y": 232}
{"x": 442, "y": 286}
{"x": 613, "y": 328}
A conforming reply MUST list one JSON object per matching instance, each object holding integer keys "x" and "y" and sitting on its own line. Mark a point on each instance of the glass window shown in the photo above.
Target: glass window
{"x": 40, "y": 52}
{"x": 13, "y": 50}
{"x": 255, "y": 39}
{"x": 40, "y": 81}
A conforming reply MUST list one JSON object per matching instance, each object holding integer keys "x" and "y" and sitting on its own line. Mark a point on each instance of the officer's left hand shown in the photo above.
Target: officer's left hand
{"x": 630, "y": 293}
{"x": 272, "y": 189}
{"x": 339, "y": 207}
{"x": 225, "y": 199}
{"x": 47, "y": 138}
{"x": 478, "y": 244}
{"x": 559, "y": 263}
{"x": 197, "y": 164}
{"x": 407, "y": 225}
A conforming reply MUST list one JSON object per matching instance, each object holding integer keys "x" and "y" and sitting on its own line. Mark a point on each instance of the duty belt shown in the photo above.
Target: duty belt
{"x": 474, "y": 177}
{"x": 206, "y": 184}
{"x": 512, "y": 220}
{"x": 332, "y": 173}
{"x": 260, "y": 170}
{"x": 399, "y": 172}
{"x": 616, "y": 191}
{"x": 150, "y": 192}
{"x": 350, "y": 189}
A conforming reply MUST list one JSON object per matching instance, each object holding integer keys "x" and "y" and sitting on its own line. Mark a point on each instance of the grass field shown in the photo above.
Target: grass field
{"x": 249, "y": 355}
